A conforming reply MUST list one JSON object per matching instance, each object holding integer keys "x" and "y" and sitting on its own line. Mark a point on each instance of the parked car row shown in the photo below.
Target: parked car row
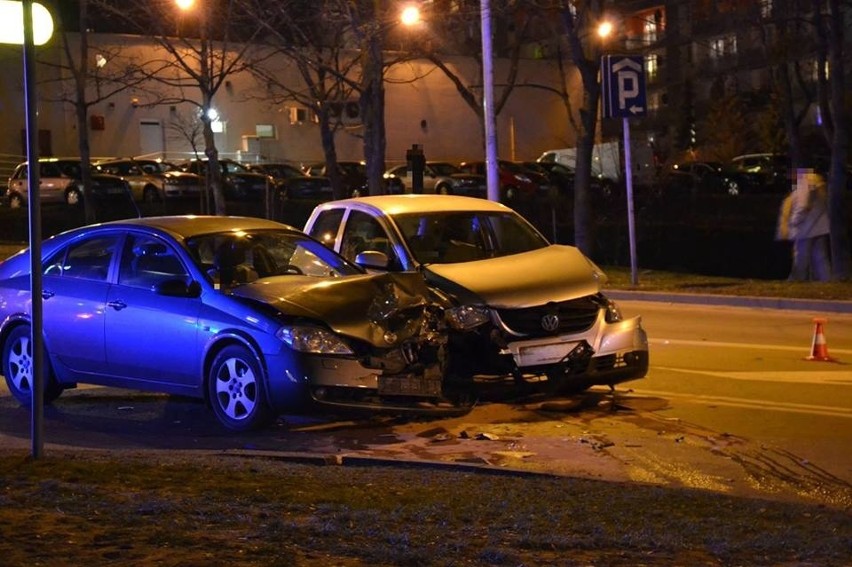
{"x": 395, "y": 303}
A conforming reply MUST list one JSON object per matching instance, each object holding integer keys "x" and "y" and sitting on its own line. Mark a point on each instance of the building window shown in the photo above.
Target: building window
{"x": 651, "y": 66}
{"x": 722, "y": 47}
{"x": 765, "y": 9}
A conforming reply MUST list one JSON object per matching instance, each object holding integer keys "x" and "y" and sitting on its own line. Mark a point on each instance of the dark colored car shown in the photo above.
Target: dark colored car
{"x": 60, "y": 181}
{"x": 250, "y": 315}
{"x": 771, "y": 172}
{"x": 239, "y": 182}
{"x": 709, "y": 177}
{"x": 292, "y": 183}
{"x": 153, "y": 181}
{"x": 562, "y": 177}
{"x": 354, "y": 176}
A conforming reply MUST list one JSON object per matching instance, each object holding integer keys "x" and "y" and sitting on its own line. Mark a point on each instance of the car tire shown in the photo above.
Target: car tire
{"x": 732, "y": 188}
{"x": 150, "y": 194}
{"x": 15, "y": 201}
{"x": 443, "y": 190}
{"x": 18, "y": 368}
{"x": 73, "y": 197}
{"x": 235, "y": 390}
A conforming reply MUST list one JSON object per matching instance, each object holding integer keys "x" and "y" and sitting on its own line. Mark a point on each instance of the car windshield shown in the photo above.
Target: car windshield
{"x": 241, "y": 257}
{"x": 444, "y": 168}
{"x": 233, "y": 167}
{"x": 463, "y": 236}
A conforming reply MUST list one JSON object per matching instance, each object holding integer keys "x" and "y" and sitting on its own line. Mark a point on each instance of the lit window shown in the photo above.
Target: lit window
{"x": 723, "y": 46}
{"x": 765, "y": 8}
{"x": 651, "y": 66}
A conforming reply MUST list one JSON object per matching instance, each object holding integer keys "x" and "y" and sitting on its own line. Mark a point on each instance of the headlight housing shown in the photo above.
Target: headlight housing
{"x": 315, "y": 340}
{"x": 467, "y": 316}
{"x": 613, "y": 313}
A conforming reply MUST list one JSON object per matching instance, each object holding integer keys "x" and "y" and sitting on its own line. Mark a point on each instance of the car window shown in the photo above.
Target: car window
{"x": 146, "y": 261}
{"x": 88, "y": 260}
{"x": 449, "y": 237}
{"x": 326, "y": 226}
{"x": 50, "y": 170}
{"x": 231, "y": 259}
{"x": 362, "y": 233}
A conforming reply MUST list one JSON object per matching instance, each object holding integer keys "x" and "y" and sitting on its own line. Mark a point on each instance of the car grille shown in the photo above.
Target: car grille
{"x": 574, "y": 316}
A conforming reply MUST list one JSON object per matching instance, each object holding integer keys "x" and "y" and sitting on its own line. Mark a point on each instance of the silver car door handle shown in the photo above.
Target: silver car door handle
{"x": 117, "y": 305}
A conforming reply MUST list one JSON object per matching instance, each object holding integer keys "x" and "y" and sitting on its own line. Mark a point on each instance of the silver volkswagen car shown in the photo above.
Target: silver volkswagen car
{"x": 538, "y": 309}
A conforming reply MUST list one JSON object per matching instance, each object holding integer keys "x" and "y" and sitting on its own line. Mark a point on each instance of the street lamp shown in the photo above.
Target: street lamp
{"x": 410, "y": 15}
{"x": 185, "y": 4}
{"x": 604, "y": 29}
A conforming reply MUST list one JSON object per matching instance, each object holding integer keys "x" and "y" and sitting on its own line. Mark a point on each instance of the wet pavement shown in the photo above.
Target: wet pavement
{"x": 625, "y": 437}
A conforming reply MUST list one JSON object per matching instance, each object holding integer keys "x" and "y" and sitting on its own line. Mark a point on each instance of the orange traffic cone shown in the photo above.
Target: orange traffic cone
{"x": 819, "y": 348}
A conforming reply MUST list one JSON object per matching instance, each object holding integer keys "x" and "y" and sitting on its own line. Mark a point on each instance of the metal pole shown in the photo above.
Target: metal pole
{"x": 628, "y": 177}
{"x": 34, "y": 200}
{"x": 491, "y": 176}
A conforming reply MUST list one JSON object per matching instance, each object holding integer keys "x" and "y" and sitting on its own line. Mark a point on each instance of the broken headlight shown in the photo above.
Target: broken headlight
{"x": 312, "y": 339}
{"x": 467, "y": 316}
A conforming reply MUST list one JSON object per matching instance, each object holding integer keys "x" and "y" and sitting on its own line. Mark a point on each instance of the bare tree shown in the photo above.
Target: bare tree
{"x": 458, "y": 33}
{"x": 200, "y": 50}
{"x": 96, "y": 75}
{"x": 829, "y": 22}
{"x": 581, "y": 20}
{"x": 313, "y": 39}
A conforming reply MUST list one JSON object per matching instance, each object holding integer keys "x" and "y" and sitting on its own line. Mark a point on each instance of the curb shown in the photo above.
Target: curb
{"x": 817, "y": 305}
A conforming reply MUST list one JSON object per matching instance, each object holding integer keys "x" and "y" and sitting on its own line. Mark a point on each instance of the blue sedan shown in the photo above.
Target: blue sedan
{"x": 253, "y": 316}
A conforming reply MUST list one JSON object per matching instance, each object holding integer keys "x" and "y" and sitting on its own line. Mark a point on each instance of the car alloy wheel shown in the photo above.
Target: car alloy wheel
{"x": 15, "y": 201}
{"x": 18, "y": 368}
{"x": 236, "y": 391}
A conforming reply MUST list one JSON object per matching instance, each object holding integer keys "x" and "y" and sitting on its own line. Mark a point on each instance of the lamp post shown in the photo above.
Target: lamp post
{"x": 492, "y": 179}
{"x": 37, "y": 30}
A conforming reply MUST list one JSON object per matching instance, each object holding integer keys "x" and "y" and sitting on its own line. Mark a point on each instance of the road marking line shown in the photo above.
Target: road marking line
{"x": 753, "y": 404}
{"x": 838, "y": 377}
{"x": 685, "y": 342}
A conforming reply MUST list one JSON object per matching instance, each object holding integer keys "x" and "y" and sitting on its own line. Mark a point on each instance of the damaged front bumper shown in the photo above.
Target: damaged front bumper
{"x": 609, "y": 354}
{"x": 348, "y": 384}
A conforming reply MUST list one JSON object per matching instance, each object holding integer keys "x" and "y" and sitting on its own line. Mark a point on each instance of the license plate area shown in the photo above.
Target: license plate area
{"x": 537, "y": 355}
{"x": 410, "y": 385}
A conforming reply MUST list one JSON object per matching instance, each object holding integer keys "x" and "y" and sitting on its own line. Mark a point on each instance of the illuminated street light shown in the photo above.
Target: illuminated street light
{"x": 410, "y": 16}
{"x": 11, "y": 16}
{"x": 185, "y": 4}
{"x": 604, "y": 29}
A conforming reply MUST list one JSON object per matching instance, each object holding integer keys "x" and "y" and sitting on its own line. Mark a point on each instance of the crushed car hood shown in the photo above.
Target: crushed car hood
{"x": 554, "y": 273}
{"x": 383, "y": 309}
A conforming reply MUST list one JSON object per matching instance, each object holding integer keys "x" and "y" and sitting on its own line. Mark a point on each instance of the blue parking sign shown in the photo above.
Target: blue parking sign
{"x": 623, "y": 86}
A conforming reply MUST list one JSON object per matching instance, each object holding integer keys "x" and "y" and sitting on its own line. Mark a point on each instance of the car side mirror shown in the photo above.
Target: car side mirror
{"x": 177, "y": 287}
{"x": 372, "y": 259}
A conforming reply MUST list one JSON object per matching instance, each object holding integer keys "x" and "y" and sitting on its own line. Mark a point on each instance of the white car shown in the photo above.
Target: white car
{"x": 537, "y": 307}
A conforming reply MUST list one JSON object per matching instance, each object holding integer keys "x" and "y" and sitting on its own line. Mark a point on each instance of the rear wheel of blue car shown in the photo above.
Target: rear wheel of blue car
{"x": 235, "y": 387}
{"x": 18, "y": 368}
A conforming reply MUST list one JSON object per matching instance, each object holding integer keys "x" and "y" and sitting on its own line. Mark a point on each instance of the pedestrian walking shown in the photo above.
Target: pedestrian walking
{"x": 809, "y": 227}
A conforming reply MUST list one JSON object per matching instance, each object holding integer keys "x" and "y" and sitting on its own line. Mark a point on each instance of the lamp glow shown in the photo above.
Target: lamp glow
{"x": 410, "y": 15}
{"x": 184, "y": 4}
{"x": 604, "y": 29}
{"x": 12, "y": 29}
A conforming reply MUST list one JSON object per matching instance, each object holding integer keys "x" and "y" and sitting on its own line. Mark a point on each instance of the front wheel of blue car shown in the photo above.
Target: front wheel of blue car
{"x": 235, "y": 387}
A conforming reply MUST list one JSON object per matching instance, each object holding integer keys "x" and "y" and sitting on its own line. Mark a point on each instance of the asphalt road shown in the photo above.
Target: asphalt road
{"x": 729, "y": 405}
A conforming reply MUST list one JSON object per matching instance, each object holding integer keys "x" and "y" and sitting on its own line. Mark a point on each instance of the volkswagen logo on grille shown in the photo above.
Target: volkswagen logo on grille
{"x": 550, "y": 322}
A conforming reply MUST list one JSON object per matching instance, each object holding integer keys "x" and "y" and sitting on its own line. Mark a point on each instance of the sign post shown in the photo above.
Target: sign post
{"x": 623, "y": 95}
{"x": 36, "y": 30}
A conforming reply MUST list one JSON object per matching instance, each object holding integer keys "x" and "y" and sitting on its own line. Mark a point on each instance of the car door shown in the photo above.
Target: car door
{"x": 75, "y": 285}
{"x": 151, "y": 337}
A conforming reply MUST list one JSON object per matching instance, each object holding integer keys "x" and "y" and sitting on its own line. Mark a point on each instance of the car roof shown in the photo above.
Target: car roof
{"x": 191, "y": 225}
{"x": 410, "y": 203}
